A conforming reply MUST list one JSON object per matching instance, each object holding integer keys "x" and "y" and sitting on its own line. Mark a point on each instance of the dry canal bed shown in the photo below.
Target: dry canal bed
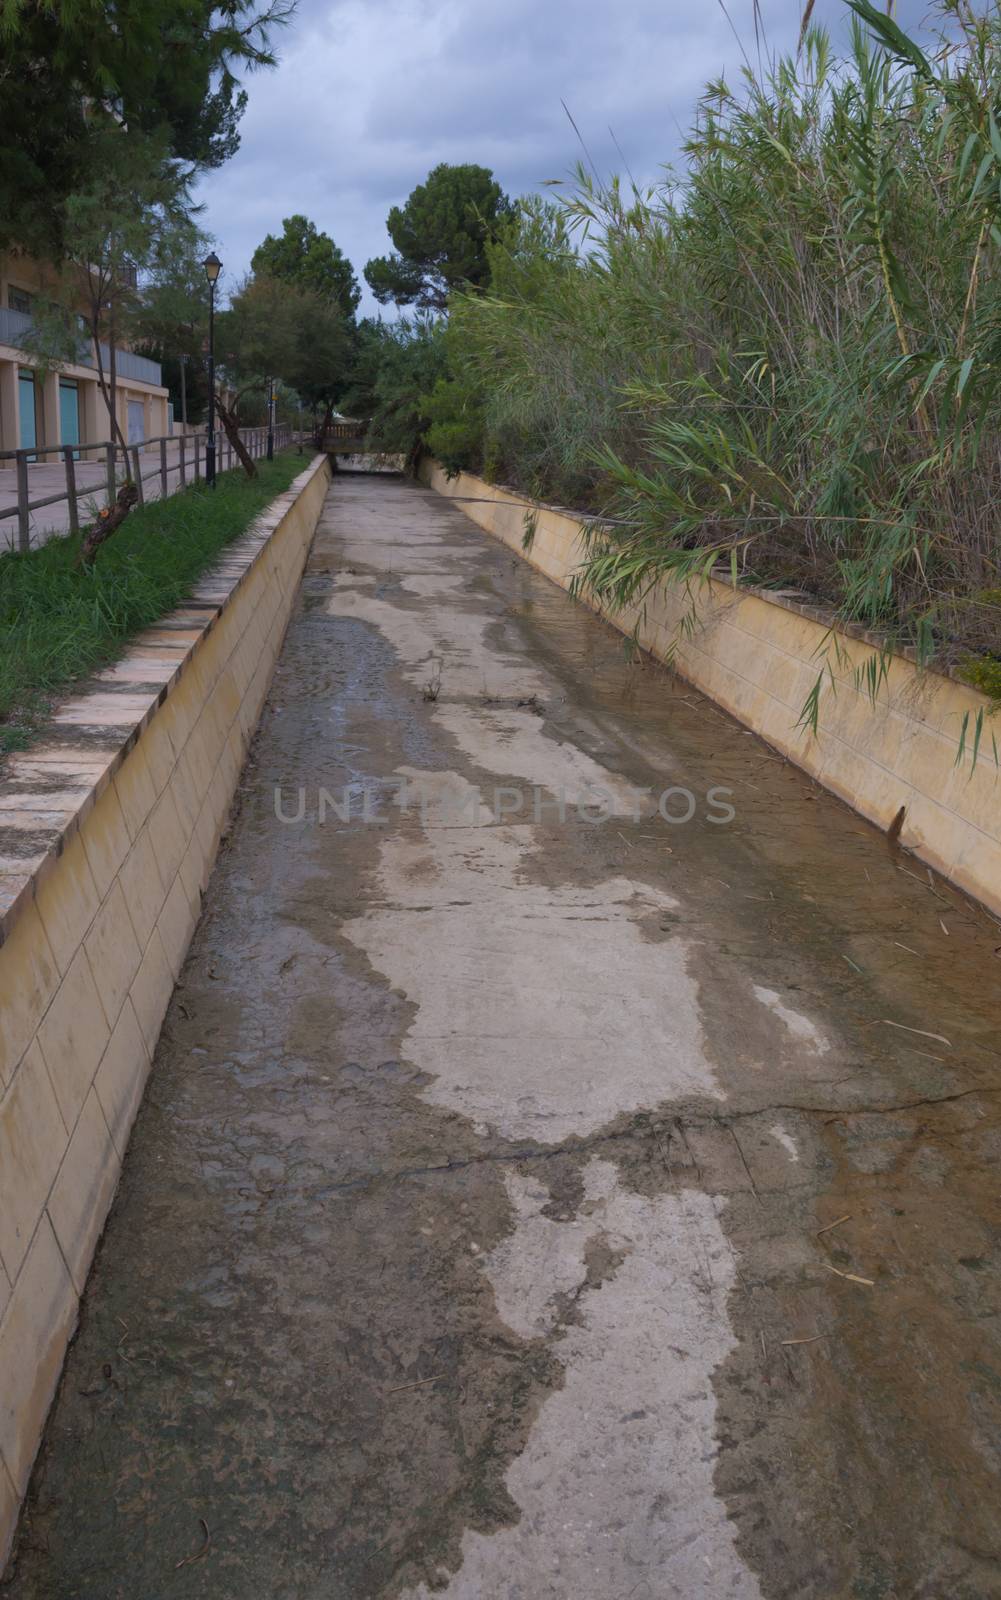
{"x": 534, "y": 1196}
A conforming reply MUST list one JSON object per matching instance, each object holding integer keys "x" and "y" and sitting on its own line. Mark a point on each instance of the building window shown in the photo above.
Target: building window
{"x": 19, "y": 300}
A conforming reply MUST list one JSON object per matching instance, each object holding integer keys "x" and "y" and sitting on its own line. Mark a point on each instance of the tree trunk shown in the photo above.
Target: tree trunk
{"x": 323, "y": 425}
{"x": 113, "y": 381}
{"x": 108, "y": 520}
{"x": 108, "y": 390}
{"x": 232, "y": 431}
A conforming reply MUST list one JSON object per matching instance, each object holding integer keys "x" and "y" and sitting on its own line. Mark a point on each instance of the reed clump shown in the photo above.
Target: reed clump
{"x": 785, "y": 365}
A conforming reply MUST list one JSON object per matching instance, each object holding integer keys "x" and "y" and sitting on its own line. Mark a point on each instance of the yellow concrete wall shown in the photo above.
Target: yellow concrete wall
{"x": 758, "y": 657}
{"x": 93, "y": 945}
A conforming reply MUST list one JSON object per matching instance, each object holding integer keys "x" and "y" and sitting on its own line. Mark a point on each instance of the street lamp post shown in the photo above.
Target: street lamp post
{"x": 213, "y": 267}
{"x": 271, "y": 419}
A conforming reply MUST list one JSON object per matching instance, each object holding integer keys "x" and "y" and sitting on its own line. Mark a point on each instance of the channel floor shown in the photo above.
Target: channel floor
{"x": 534, "y": 1196}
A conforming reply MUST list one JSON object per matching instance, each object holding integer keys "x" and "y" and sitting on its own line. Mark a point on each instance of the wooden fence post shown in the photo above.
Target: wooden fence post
{"x": 164, "y": 491}
{"x": 137, "y": 476}
{"x": 71, "y": 489}
{"x": 23, "y": 515}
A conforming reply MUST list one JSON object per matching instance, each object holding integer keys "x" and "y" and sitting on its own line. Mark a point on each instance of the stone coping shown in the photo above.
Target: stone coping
{"x": 47, "y": 790}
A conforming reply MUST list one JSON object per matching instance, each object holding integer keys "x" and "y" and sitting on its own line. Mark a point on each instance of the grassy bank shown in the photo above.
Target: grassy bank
{"x": 59, "y": 623}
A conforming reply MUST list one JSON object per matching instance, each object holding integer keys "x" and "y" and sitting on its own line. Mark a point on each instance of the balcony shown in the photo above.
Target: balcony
{"x": 15, "y": 324}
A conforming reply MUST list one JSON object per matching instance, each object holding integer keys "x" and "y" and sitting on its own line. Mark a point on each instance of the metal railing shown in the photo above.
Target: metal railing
{"x": 15, "y": 324}
{"x": 188, "y": 466}
{"x": 139, "y": 368}
{"x": 349, "y": 428}
{"x": 345, "y": 436}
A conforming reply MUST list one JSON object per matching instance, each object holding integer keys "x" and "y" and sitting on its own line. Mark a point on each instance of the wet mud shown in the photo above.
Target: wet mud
{"x": 533, "y": 1207}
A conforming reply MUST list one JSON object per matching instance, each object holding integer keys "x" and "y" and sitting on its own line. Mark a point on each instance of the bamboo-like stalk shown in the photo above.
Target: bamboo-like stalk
{"x": 794, "y": 366}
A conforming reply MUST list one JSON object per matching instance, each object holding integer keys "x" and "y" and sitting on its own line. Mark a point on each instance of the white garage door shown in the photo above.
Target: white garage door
{"x": 137, "y": 422}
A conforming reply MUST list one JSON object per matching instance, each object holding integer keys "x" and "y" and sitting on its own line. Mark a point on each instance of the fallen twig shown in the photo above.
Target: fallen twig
{"x": 811, "y": 1340}
{"x": 852, "y": 1277}
{"x": 198, "y": 1554}
{"x": 419, "y": 1384}
{"x": 747, "y": 1169}
{"x": 835, "y": 1224}
{"x": 122, "y": 1340}
{"x": 922, "y": 1031}
{"x": 924, "y": 885}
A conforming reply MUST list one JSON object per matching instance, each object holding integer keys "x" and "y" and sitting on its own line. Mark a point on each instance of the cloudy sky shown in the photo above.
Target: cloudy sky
{"x": 371, "y": 94}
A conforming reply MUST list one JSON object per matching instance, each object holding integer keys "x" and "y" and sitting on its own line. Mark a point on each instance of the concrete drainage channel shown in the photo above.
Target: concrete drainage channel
{"x": 110, "y": 825}
{"x": 534, "y": 1197}
{"x": 758, "y": 653}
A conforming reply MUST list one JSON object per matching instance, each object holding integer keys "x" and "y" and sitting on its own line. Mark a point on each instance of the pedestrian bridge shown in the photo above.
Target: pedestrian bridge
{"x": 345, "y": 436}
{"x": 346, "y": 442}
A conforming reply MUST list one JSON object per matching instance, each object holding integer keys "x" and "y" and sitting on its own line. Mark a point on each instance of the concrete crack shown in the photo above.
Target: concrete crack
{"x": 643, "y": 1129}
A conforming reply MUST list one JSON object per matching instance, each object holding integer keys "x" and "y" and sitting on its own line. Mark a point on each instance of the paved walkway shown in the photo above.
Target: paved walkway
{"x": 48, "y": 477}
{"x": 471, "y": 1239}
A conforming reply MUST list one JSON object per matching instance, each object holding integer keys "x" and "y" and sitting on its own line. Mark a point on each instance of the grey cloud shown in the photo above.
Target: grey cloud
{"x": 369, "y": 96}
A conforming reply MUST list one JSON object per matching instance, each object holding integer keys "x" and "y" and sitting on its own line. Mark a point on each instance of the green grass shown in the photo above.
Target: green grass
{"x": 60, "y": 623}
{"x": 984, "y": 672}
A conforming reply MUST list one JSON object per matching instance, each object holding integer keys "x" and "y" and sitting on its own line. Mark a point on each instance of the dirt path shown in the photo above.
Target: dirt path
{"x": 469, "y": 1238}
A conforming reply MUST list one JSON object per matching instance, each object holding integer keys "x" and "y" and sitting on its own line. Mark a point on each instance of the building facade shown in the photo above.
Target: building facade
{"x": 46, "y": 411}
